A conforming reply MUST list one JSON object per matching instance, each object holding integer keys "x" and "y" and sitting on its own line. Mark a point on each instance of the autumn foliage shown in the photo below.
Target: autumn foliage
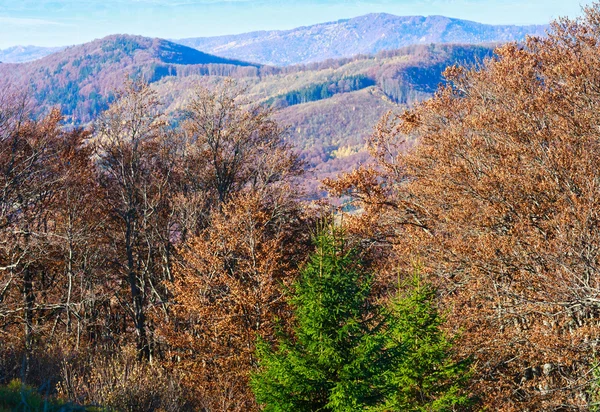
{"x": 142, "y": 259}
{"x": 243, "y": 250}
{"x": 174, "y": 240}
{"x": 498, "y": 198}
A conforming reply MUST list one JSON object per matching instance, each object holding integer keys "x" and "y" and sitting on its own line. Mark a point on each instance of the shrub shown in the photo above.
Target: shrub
{"x": 124, "y": 383}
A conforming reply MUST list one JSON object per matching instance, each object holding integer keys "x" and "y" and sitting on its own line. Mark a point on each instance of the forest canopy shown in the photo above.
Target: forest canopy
{"x": 159, "y": 262}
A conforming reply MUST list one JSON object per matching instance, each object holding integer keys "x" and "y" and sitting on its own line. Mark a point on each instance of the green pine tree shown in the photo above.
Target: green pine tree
{"x": 426, "y": 378}
{"x": 348, "y": 354}
{"x": 337, "y": 360}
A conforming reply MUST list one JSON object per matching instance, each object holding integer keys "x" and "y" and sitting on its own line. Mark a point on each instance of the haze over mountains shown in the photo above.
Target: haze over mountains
{"x": 344, "y": 38}
{"x": 22, "y": 54}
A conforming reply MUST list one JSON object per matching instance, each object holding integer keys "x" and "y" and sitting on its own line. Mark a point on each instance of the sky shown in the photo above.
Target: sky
{"x": 67, "y": 22}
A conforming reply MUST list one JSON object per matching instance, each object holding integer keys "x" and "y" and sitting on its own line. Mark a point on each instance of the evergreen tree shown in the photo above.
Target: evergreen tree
{"x": 337, "y": 360}
{"x": 426, "y": 378}
{"x": 349, "y": 354}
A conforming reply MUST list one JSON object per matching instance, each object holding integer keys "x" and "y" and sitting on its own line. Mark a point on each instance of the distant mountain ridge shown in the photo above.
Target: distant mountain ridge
{"x": 366, "y": 34}
{"x": 22, "y": 54}
{"x": 361, "y": 35}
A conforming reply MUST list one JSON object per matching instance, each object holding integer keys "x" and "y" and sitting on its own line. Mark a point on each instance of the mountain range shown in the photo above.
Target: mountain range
{"x": 365, "y": 34}
{"x": 344, "y": 38}
{"x": 22, "y": 54}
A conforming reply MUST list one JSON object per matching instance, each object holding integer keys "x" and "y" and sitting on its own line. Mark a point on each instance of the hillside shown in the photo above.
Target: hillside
{"x": 81, "y": 79}
{"x": 333, "y": 140}
{"x": 331, "y": 107}
{"x": 344, "y": 38}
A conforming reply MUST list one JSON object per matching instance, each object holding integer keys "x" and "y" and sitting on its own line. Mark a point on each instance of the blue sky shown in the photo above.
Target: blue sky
{"x": 65, "y": 22}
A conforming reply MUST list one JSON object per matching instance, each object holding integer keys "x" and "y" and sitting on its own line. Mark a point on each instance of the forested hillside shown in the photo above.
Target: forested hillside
{"x": 80, "y": 80}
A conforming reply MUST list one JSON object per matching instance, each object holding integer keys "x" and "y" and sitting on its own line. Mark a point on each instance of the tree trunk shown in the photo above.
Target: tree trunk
{"x": 139, "y": 317}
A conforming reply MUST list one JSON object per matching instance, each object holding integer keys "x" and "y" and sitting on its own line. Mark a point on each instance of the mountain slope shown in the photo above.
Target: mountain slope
{"x": 330, "y": 107}
{"x": 344, "y": 38}
{"x": 81, "y": 79}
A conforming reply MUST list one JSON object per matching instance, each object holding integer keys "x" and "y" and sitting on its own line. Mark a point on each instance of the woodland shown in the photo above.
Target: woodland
{"x": 165, "y": 261}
